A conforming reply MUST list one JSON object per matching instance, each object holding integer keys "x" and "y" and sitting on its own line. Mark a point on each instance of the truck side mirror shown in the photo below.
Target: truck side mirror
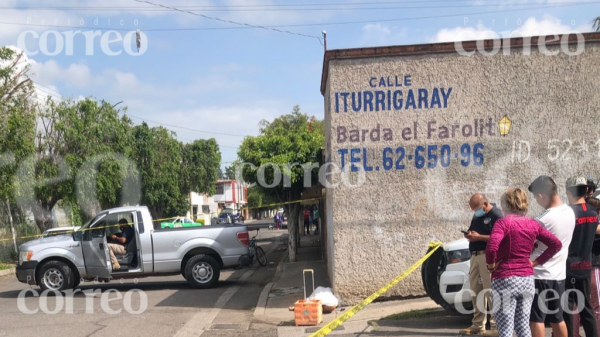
{"x": 77, "y": 235}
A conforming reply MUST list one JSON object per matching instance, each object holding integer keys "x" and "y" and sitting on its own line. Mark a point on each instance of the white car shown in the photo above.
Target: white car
{"x": 446, "y": 275}
{"x": 59, "y": 231}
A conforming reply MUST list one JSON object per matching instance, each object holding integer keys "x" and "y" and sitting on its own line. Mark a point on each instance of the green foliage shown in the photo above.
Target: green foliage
{"x": 286, "y": 140}
{"x": 230, "y": 171}
{"x": 200, "y": 168}
{"x": 596, "y": 24}
{"x": 170, "y": 170}
{"x": 84, "y": 153}
{"x": 158, "y": 156}
{"x": 17, "y": 119}
{"x": 258, "y": 198}
{"x": 17, "y": 133}
{"x": 80, "y": 146}
{"x": 290, "y": 141}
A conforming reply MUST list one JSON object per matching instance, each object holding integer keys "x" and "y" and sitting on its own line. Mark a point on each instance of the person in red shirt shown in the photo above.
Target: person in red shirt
{"x": 595, "y": 288}
{"x": 579, "y": 262}
{"x": 306, "y": 221}
{"x": 508, "y": 255}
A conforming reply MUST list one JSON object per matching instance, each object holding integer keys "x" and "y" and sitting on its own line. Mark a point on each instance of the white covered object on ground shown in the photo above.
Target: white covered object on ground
{"x": 325, "y": 295}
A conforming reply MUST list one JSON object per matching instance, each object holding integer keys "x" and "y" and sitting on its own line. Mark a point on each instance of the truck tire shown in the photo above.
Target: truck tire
{"x": 55, "y": 275}
{"x": 202, "y": 271}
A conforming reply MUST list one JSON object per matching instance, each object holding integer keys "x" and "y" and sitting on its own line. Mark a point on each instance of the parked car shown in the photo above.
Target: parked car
{"x": 59, "y": 231}
{"x": 180, "y": 222}
{"x": 445, "y": 275}
{"x": 198, "y": 253}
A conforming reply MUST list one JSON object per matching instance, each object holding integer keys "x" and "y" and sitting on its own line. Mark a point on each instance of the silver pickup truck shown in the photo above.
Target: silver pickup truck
{"x": 198, "y": 253}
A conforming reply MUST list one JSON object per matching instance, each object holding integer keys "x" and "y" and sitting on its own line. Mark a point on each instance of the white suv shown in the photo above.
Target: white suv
{"x": 446, "y": 275}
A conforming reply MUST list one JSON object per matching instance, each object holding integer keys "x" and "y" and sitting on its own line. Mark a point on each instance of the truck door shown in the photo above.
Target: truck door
{"x": 140, "y": 230}
{"x": 95, "y": 250}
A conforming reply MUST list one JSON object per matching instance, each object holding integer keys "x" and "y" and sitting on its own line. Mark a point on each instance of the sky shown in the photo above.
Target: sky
{"x": 203, "y": 76}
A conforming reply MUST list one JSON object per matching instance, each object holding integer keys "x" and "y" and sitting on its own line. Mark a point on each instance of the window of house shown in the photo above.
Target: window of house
{"x": 205, "y": 209}
{"x": 220, "y": 189}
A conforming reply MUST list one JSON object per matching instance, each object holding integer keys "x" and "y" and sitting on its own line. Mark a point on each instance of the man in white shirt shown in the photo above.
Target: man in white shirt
{"x": 559, "y": 219}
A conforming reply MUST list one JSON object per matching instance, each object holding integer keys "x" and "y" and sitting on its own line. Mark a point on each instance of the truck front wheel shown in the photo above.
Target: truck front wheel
{"x": 55, "y": 275}
{"x": 202, "y": 271}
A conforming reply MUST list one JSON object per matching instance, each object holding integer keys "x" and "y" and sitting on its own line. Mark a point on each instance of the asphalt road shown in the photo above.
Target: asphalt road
{"x": 172, "y": 307}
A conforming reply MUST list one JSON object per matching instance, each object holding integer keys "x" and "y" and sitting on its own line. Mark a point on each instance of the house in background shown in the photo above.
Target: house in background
{"x": 229, "y": 195}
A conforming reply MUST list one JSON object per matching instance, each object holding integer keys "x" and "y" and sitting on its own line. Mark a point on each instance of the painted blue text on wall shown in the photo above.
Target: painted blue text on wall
{"x": 387, "y": 95}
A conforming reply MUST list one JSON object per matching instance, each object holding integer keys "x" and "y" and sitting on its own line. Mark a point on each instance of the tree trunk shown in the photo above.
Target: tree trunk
{"x": 12, "y": 226}
{"x": 294, "y": 231}
{"x": 300, "y": 227}
{"x": 42, "y": 216}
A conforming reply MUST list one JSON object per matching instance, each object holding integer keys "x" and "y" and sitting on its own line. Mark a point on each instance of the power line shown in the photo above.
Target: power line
{"x": 186, "y": 128}
{"x": 232, "y": 22}
{"x": 41, "y": 85}
{"x": 41, "y": 92}
{"x": 59, "y": 96}
{"x": 248, "y": 6}
{"x": 296, "y": 25}
{"x": 283, "y": 9}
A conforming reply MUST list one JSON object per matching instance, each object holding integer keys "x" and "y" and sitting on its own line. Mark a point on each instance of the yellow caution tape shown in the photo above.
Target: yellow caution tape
{"x": 175, "y": 217}
{"x": 285, "y": 203}
{"x": 327, "y": 329}
{"x": 83, "y": 230}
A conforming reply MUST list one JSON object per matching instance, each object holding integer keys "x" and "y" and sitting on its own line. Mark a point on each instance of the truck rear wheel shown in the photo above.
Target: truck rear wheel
{"x": 55, "y": 275}
{"x": 202, "y": 271}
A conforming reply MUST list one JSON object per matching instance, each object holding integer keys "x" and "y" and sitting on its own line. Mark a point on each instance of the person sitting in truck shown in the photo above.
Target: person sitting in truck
{"x": 121, "y": 241}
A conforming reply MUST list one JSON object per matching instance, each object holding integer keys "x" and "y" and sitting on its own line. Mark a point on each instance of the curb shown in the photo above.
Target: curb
{"x": 261, "y": 305}
{"x": 7, "y": 272}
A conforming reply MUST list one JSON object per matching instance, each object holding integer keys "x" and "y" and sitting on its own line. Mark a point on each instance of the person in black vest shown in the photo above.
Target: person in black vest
{"x": 579, "y": 262}
{"x": 484, "y": 217}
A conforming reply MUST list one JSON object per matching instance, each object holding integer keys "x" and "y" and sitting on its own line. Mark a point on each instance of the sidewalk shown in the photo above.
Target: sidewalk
{"x": 412, "y": 318}
{"x": 287, "y": 288}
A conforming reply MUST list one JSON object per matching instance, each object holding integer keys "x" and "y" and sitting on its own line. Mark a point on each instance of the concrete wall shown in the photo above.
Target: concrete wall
{"x": 382, "y": 227}
{"x": 227, "y": 195}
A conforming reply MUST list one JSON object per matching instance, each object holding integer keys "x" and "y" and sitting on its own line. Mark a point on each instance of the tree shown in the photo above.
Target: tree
{"x": 170, "y": 170}
{"x": 200, "y": 168}
{"x": 73, "y": 134}
{"x": 257, "y": 198}
{"x": 158, "y": 156}
{"x": 596, "y": 24}
{"x": 289, "y": 141}
{"x": 17, "y": 125}
{"x": 230, "y": 170}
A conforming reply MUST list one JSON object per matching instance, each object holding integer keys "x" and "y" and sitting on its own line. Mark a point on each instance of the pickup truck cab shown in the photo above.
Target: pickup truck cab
{"x": 198, "y": 253}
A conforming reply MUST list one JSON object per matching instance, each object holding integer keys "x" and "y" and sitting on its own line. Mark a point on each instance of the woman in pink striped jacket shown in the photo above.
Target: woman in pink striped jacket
{"x": 508, "y": 258}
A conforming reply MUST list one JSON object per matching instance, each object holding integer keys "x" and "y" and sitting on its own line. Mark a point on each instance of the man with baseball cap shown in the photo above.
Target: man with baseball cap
{"x": 558, "y": 219}
{"x": 579, "y": 261}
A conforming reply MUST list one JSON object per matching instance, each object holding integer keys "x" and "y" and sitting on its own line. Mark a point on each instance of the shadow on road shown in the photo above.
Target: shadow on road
{"x": 103, "y": 287}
